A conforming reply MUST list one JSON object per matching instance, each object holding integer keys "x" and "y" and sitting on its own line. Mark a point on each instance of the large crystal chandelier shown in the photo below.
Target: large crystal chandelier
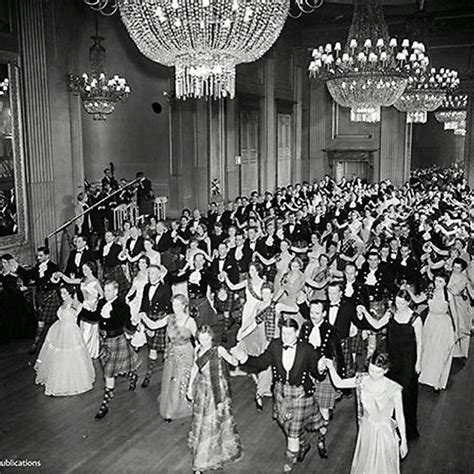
{"x": 204, "y": 39}
{"x": 452, "y": 111}
{"x": 98, "y": 93}
{"x": 425, "y": 93}
{"x": 372, "y": 70}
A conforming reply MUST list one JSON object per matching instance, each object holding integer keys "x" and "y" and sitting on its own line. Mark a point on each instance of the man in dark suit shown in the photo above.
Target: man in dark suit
{"x": 80, "y": 255}
{"x": 295, "y": 232}
{"x": 134, "y": 246}
{"x": 47, "y": 300}
{"x": 145, "y": 195}
{"x": 241, "y": 253}
{"x": 113, "y": 316}
{"x": 226, "y": 301}
{"x": 156, "y": 304}
{"x": 109, "y": 180}
{"x": 342, "y": 314}
{"x": 294, "y": 367}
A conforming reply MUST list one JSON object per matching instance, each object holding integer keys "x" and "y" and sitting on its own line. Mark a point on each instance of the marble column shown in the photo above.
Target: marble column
{"x": 37, "y": 118}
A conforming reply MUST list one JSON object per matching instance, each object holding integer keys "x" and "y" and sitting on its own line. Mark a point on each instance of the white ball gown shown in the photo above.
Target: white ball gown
{"x": 64, "y": 365}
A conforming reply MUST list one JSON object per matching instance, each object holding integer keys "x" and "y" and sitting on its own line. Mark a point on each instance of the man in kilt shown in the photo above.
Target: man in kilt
{"x": 323, "y": 337}
{"x": 156, "y": 304}
{"x": 47, "y": 300}
{"x": 112, "y": 264}
{"x": 116, "y": 354}
{"x": 295, "y": 366}
{"x": 225, "y": 300}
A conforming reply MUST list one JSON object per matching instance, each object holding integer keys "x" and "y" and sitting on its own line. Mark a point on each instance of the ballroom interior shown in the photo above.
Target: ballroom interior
{"x": 273, "y": 123}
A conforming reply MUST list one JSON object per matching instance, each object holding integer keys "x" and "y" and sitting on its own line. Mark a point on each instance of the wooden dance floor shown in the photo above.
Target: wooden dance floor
{"x": 62, "y": 434}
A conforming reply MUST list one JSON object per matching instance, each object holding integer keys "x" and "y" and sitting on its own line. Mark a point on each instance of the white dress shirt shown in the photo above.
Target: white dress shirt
{"x": 288, "y": 357}
{"x": 333, "y": 310}
{"x": 315, "y": 337}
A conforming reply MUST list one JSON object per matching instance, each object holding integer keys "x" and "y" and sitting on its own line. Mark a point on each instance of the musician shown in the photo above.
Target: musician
{"x": 109, "y": 180}
{"x": 145, "y": 195}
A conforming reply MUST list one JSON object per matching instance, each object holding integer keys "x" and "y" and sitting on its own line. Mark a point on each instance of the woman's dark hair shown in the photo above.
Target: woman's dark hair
{"x": 288, "y": 322}
{"x": 7, "y": 257}
{"x": 404, "y": 295}
{"x": 206, "y": 329}
{"x": 92, "y": 266}
{"x": 461, "y": 262}
{"x": 146, "y": 259}
{"x": 258, "y": 267}
{"x": 381, "y": 359}
{"x": 69, "y": 288}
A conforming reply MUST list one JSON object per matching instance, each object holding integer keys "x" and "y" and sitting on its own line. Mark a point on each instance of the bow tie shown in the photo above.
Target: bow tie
{"x": 334, "y": 305}
{"x": 154, "y": 285}
{"x": 292, "y": 346}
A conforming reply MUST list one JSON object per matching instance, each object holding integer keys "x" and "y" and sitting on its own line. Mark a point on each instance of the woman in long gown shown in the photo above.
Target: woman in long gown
{"x": 253, "y": 296}
{"x": 64, "y": 365}
{"x": 134, "y": 299}
{"x": 214, "y": 440}
{"x": 179, "y": 358}
{"x": 460, "y": 287}
{"x": 404, "y": 344}
{"x": 16, "y": 319}
{"x": 378, "y": 449}
{"x": 438, "y": 335}
{"x": 91, "y": 292}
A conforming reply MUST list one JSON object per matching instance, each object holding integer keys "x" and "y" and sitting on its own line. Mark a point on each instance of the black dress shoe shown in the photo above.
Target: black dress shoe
{"x": 168, "y": 420}
{"x": 146, "y": 381}
{"x": 101, "y": 413}
{"x": 304, "y": 450}
{"x": 258, "y": 402}
{"x": 323, "y": 452}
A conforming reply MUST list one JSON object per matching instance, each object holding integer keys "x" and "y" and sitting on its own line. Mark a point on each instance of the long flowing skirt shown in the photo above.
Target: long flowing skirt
{"x": 462, "y": 314}
{"x": 377, "y": 449}
{"x": 438, "y": 346}
{"x": 64, "y": 365}
{"x": 174, "y": 383}
{"x": 90, "y": 333}
{"x": 213, "y": 439}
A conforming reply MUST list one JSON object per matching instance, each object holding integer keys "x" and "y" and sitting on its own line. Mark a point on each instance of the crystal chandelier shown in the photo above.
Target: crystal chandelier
{"x": 98, "y": 94}
{"x": 372, "y": 71}
{"x": 425, "y": 93}
{"x": 4, "y": 87}
{"x": 204, "y": 39}
{"x": 452, "y": 111}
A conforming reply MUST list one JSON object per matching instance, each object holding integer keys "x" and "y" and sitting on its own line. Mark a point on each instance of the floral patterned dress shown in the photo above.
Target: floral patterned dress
{"x": 213, "y": 439}
{"x": 176, "y": 371}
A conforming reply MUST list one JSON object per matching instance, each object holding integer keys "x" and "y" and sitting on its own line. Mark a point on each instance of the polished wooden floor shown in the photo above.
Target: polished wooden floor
{"x": 63, "y": 435}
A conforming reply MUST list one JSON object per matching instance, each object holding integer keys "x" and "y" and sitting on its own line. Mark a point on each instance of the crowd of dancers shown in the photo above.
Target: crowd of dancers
{"x": 315, "y": 291}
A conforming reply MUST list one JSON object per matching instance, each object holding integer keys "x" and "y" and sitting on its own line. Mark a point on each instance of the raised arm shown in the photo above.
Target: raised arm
{"x": 375, "y": 323}
{"x": 235, "y": 286}
{"x": 227, "y": 357}
{"x": 336, "y": 380}
{"x": 154, "y": 325}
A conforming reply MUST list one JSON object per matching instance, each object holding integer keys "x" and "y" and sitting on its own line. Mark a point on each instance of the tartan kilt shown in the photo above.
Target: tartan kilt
{"x": 349, "y": 365}
{"x": 357, "y": 343}
{"x": 47, "y": 305}
{"x": 116, "y": 273}
{"x": 294, "y": 411}
{"x": 202, "y": 312}
{"x": 157, "y": 342}
{"x": 230, "y": 304}
{"x": 117, "y": 356}
{"x": 325, "y": 393}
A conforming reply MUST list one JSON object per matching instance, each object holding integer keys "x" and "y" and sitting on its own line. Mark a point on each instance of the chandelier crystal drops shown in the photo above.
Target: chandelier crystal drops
{"x": 4, "y": 86}
{"x": 204, "y": 39}
{"x": 98, "y": 93}
{"x": 452, "y": 111}
{"x": 372, "y": 70}
{"x": 425, "y": 93}
{"x": 300, "y": 7}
